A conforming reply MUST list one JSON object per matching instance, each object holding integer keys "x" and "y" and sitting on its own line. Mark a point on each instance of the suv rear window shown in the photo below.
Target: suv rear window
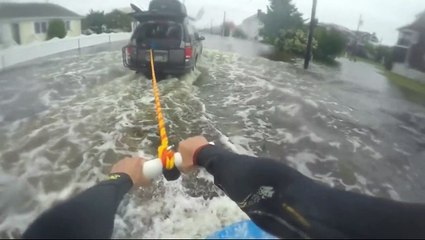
{"x": 159, "y": 30}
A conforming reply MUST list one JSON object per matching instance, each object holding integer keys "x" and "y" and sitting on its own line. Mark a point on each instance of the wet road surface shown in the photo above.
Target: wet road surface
{"x": 64, "y": 120}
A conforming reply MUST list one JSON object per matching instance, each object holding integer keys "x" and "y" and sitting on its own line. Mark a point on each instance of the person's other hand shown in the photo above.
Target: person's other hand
{"x": 187, "y": 149}
{"x": 133, "y": 167}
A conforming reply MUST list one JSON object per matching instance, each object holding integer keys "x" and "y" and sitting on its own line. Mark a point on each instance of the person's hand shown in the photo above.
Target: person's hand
{"x": 133, "y": 167}
{"x": 187, "y": 149}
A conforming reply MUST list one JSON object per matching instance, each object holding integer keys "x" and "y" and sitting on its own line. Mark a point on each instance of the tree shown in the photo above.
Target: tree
{"x": 118, "y": 20}
{"x": 330, "y": 43}
{"x": 381, "y": 53}
{"x": 94, "y": 21}
{"x": 239, "y": 33}
{"x": 281, "y": 15}
{"x": 371, "y": 51}
{"x": 56, "y": 29}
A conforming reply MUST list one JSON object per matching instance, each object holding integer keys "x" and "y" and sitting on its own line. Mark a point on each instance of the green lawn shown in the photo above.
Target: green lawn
{"x": 397, "y": 79}
{"x": 405, "y": 82}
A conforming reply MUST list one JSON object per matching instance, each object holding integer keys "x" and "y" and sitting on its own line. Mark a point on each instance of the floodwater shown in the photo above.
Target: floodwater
{"x": 66, "y": 119}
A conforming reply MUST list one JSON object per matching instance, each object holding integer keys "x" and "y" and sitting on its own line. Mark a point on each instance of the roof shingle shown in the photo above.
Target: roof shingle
{"x": 34, "y": 10}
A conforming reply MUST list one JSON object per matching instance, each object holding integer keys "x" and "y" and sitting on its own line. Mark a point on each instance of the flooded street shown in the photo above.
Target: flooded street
{"x": 66, "y": 119}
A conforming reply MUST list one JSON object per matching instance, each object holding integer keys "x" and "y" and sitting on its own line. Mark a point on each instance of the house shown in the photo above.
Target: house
{"x": 251, "y": 26}
{"x": 365, "y": 38}
{"x": 23, "y": 23}
{"x": 410, "y": 47}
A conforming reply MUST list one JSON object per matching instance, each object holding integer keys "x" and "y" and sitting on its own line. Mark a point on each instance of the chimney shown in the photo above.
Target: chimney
{"x": 259, "y": 13}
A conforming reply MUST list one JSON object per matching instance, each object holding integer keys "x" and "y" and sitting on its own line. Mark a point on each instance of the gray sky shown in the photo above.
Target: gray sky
{"x": 380, "y": 16}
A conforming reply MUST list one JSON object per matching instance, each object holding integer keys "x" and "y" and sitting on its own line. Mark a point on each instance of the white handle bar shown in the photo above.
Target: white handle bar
{"x": 153, "y": 168}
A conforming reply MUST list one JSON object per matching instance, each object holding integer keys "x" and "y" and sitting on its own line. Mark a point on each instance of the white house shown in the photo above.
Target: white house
{"x": 251, "y": 26}
{"x": 23, "y": 23}
{"x": 409, "y": 51}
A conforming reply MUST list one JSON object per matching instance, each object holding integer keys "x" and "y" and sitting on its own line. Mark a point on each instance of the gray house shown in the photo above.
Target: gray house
{"x": 411, "y": 43}
{"x": 23, "y": 23}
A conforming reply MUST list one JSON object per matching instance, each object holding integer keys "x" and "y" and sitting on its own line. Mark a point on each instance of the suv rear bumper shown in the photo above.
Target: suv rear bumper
{"x": 165, "y": 68}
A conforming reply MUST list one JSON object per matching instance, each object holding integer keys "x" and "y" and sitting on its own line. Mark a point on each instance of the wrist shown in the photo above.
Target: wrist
{"x": 119, "y": 176}
{"x": 196, "y": 154}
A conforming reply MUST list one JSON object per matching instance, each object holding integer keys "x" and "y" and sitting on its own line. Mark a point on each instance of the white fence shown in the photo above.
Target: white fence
{"x": 401, "y": 69}
{"x": 19, "y": 54}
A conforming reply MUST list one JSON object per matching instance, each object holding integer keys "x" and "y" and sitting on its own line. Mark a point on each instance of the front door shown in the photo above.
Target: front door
{"x": 15, "y": 33}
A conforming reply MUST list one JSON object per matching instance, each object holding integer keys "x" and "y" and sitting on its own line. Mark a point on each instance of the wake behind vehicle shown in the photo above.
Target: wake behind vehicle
{"x": 167, "y": 30}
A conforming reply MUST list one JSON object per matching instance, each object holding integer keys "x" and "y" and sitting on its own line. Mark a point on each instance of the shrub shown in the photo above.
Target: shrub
{"x": 294, "y": 41}
{"x": 388, "y": 60}
{"x": 56, "y": 29}
{"x": 330, "y": 43}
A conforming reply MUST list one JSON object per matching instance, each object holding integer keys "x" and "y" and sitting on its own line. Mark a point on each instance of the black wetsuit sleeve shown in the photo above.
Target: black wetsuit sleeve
{"x": 286, "y": 203}
{"x": 90, "y": 214}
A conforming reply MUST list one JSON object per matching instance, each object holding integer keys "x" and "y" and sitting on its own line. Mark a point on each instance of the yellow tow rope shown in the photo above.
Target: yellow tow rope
{"x": 164, "y": 153}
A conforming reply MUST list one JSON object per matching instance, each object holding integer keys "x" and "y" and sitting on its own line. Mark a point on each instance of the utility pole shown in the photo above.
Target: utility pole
{"x": 310, "y": 35}
{"x": 211, "y": 26}
{"x": 357, "y": 37}
{"x": 224, "y": 23}
{"x": 359, "y": 23}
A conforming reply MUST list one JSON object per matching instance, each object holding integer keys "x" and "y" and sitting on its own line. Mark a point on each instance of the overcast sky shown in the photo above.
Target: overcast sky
{"x": 380, "y": 16}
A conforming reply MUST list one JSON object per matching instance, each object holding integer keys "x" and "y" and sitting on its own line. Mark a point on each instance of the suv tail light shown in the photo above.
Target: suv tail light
{"x": 188, "y": 51}
{"x": 129, "y": 50}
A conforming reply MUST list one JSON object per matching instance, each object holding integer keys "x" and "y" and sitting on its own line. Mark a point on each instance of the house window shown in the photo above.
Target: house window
{"x": 40, "y": 27}
{"x": 68, "y": 25}
{"x": 44, "y": 27}
{"x": 37, "y": 27}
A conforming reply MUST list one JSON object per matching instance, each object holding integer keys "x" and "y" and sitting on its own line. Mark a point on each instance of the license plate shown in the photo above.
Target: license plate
{"x": 157, "y": 57}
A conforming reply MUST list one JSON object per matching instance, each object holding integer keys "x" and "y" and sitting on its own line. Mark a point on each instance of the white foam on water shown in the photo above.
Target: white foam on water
{"x": 374, "y": 154}
{"x": 355, "y": 141}
{"x": 203, "y": 174}
{"x": 391, "y": 191}
{"x": 178, "y": 216}
{"x": 235, "y": 147}
{"x": 285, "y": 136}
{"x": 335, "y": 144}
{"x": 109, "y": 114}
{"x": 311, "y": 103}
{"x": 291, "y": 109}
{"x": 402, "y": 151}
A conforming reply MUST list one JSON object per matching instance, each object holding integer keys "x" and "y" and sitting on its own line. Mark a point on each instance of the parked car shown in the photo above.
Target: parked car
{"x": 167, "y": 30}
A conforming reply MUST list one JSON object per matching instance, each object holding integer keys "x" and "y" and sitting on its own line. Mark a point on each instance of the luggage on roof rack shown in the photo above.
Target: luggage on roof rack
{"x": 149, "y": 16}
{"x": 174, "y": 7}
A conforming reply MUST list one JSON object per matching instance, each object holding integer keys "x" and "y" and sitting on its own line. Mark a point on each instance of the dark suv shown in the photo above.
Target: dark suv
{"x": 176, "y": 43}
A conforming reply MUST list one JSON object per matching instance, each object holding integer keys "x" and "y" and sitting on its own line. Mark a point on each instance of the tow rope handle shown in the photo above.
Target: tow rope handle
{"x": 167, "y": 161}
{"x": 154, "y": 168}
